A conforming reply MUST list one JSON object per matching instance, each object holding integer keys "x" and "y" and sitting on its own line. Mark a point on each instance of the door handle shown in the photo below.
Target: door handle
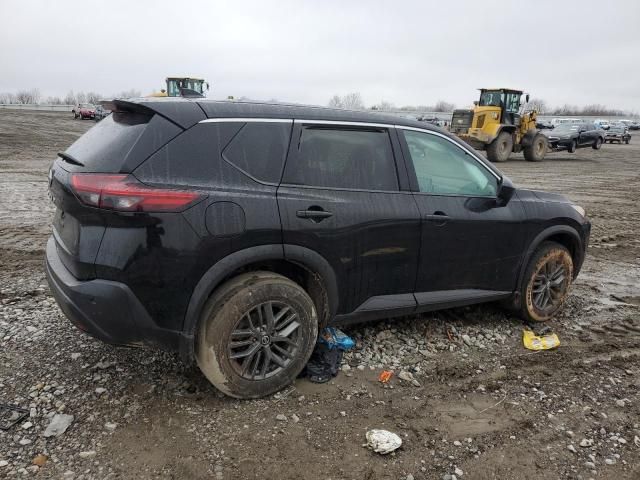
{"x": 439, "y": 218}
{"x": 314, "y": 214}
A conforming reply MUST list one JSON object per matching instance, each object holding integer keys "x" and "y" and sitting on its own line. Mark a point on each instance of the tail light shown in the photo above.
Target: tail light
{"x": 125, "y": 193}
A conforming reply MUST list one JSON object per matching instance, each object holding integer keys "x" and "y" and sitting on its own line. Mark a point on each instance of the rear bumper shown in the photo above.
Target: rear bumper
{"x": 106, "y": 310}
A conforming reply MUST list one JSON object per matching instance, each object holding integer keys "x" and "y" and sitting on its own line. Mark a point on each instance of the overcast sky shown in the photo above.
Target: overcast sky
{"x": 405, "y": 52}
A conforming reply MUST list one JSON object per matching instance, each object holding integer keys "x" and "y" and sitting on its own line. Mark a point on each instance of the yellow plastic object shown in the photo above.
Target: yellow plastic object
{"x": 544, "y": 342}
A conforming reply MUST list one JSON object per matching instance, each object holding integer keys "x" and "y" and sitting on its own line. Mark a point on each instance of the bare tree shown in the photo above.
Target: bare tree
{"x": 81, "y": 97}
{"x": 53, "y": 101}
{"x": 28, "y": 96}
{"x": 93, "y": 97}
{"x": 70, "y": 98}
{"x": 443, "y": 106}
{"x": 353, "y": 101}
{"x": 132, "y": 93}
{"x": 335, "y": 102}
{"x": 538, "y": 105}
{"x": 384, "y": 106}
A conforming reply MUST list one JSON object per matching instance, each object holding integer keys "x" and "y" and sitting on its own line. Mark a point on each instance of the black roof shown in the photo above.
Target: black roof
{"x": 187, "y": 112}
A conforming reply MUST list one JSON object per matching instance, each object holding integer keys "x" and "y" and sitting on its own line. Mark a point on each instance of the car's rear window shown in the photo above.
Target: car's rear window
{"x": 106, "y": 145}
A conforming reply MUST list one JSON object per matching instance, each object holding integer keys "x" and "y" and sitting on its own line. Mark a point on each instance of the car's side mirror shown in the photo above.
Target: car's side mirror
{"x": 506, "y": 190}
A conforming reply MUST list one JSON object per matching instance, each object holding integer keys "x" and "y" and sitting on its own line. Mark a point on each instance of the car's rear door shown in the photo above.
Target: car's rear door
{"x": 342, "y": 196}
{"x": 471, "y": 247}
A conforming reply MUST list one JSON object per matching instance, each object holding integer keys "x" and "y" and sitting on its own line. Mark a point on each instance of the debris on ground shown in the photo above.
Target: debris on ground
{"x": 408, "y": 377}
{"x": 531, "y": 341}
{"x": 383, "y": 441}
{"x": 58, "y": 425}
{"x": 325, "y": 361}
{"x": 385, "y": 376}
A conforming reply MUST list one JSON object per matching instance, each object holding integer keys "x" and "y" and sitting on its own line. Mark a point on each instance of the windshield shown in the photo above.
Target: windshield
{"x": 174, "y": 85}
{"x": 491, "y": 98}
{"x": 567, "y": 127}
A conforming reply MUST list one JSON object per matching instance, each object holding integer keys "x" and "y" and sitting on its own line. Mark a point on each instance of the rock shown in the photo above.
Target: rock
{"x": 346, "y": 367}
{"x": 75, "y": 356}
{"x": 27, "y": 425}
{"x": 295, "y": 418}
{"x": 570, "y": 434}
{"x": 68, "y": 474}
{"x": 458, "y": 472}
{"x": 58, "y": 425}
{"x": 383, "y": 441}
{"x": 25, "y": 441}
{"x": 466, "y": 339}
{"x": 586, "y": 442}
{"x": 590, "y": 465}
{"x": 408, "y": 377}
{"x": 609, "y": 461}
{"x": 3, "y": 463}
{"x": 622, "y": 441}
{"x": 87, "y": 454}
{"x": 409, "y": 477}
{"x": 571, "y": 448}
{"x": 457, "y": 443}
{"x": 100, "y": 390}
{"x": 110, "y": 426}
{"x": 281, "y": 418}
{"x": 40, "y": 460}
{"x": 620, "y": 403}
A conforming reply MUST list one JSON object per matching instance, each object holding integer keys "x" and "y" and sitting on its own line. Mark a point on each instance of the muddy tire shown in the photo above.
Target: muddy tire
{"x": 627, "y": 140}
{"x": 573, "y": 147}
{"x": 546, "y": 282}
{"x": 500, "y": 149}
{"x": 537, "y": 150}
{"x": 597, "y": 144}
{"x": 256, "y": 334}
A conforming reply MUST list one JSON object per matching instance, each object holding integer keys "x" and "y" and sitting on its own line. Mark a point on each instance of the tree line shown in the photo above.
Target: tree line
{"x": 33, "y": 97}
{"x": 353, "y": 101}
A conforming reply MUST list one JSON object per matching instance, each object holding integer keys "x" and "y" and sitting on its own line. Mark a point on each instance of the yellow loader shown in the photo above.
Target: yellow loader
{"x": 498, "y": 125}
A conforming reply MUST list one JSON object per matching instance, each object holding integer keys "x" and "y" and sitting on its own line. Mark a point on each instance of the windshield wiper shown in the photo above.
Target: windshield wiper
{"x": 69, "y": 159}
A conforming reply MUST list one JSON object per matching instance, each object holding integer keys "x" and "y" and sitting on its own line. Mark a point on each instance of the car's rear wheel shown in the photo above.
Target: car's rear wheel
{"x": 597, "y": 144}
{"x": 573, "y": 146}
{"x": 256, "y": 334}
{"x": 546, "y": 282}
{"x": 500, "y": 149}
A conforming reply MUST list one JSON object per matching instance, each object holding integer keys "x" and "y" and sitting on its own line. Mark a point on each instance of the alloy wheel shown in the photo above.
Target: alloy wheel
{"x": 550, "y": 284}
{"x": 265, "y": 340}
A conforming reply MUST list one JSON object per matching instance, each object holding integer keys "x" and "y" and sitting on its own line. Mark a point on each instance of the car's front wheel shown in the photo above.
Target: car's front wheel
{"x": 546, "y": 282}
{"x": 572, "y": 146}
{"x": 256, "y": 334}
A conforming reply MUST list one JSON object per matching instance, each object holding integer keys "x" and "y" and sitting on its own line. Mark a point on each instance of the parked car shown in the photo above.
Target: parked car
{"x": 562, "y": 120}
{"x": 569, "y": 136}
{"x": 84, "y": 110}
{"x": 603, "y": 124}
{"x": 618, "y": 132}
{"x": 544, "y": 124}
{"x": 634, "y": 126}
{"x": 100, "y": 113}
{"x": 232, "y": 232}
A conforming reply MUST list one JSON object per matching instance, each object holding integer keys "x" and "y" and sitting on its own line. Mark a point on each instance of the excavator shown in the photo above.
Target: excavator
{"x": 499, "y": 125}
{"x": 183, "y": 87}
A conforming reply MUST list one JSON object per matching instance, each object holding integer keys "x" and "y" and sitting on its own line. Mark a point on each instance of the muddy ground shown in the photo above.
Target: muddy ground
{"x": 485, "y": 407}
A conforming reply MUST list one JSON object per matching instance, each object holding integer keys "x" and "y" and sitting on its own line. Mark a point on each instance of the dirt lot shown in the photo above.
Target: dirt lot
{"x": 484, "y": 406}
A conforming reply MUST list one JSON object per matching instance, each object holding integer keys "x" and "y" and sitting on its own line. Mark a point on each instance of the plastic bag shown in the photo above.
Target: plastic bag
{"x": 532, "y": 341}
{"x": 335, "y": 338}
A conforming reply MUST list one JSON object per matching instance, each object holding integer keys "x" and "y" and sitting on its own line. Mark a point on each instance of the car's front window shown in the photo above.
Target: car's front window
{"x": 443, "y": 168}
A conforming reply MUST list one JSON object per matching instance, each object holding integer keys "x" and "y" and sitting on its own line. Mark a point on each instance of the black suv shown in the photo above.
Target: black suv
{"x": 231, "y": 232}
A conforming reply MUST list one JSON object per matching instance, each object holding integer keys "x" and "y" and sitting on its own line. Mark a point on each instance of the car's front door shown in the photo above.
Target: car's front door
{"x": 342, "y": 196}
{"x": 471, "y": 247}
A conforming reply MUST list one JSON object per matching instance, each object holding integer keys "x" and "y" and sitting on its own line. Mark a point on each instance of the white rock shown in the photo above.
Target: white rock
{"x": 87, "y": 454}
{"x": 3, "y": 463}
{"x": 100, "y": 390}
{"x": 620, "y": 403}
{"x": 622, "y": 440}
{"x": 24, "y": 441}
{"x": 383, "y": 441}
{"x": 590, "y": 465}
{"x": 457, "y": 443}
{"x": 27, "y": 425}
{"x": 458, "y": 472}
{"x": 609, "y": 461}
{"x": 75, "y": 356}
{"x": 281, "y": 418}
{"x": 295, "y": 418}
{"x": 58, "y": 425}
{"x": 572, "y": 448}
{"x": 586, "y": 442}
{"x": 110, "y": 426}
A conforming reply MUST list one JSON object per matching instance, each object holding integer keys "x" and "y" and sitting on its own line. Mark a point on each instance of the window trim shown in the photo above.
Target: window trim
{"x": 293, "y": 153}
{"x": 413, "y": 174}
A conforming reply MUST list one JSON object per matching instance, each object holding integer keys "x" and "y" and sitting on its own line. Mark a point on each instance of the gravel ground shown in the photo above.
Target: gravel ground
{"x": 466, "y": 398}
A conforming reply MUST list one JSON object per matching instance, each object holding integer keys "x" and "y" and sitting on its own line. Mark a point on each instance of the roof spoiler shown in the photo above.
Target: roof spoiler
{"x": 117, "y": 105}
